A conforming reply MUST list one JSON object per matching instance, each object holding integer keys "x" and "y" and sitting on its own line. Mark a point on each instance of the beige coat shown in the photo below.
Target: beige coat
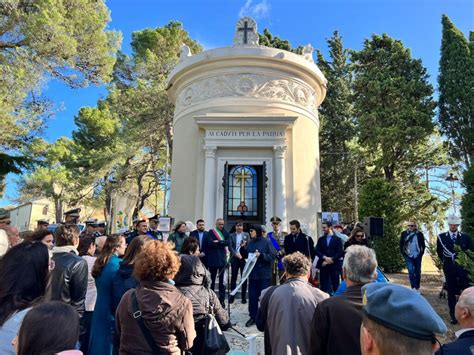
{"x": 290, "y": 311}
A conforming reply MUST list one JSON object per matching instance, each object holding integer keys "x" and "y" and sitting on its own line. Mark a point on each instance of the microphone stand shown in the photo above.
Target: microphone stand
{"x": 227, "y": 266}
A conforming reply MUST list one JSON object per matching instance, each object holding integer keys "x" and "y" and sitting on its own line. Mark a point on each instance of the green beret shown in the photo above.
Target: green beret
{"x": 402, "y": 310}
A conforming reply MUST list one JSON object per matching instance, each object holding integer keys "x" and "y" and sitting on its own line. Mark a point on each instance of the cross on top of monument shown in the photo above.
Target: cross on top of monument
{"x": 246, "y": 32}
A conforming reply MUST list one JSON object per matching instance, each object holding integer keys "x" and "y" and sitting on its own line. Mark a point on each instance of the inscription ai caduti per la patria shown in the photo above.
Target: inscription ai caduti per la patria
{"x": 218, "y": 133}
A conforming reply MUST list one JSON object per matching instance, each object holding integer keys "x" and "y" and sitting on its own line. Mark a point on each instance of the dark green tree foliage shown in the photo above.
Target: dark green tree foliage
{"x": 467, "y": 203}
{"x": 124, "y": 138}
{"x": 268, "y": 40}
{"x": 40, "y": 40}
{"x": 456, "y": 91}
{"x": 392, "y": 102}
{"x": 338, "y": 160}
{"x": 381, "y": 198}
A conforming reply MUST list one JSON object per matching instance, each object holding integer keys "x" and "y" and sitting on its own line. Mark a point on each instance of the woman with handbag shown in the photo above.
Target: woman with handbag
{"x": 155, "y": 318}
{"x": 193, "y": 281}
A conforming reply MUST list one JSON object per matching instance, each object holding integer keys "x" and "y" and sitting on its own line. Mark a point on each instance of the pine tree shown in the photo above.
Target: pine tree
{"x": 456, "y": 91}
{"x": 393, "y": 104}
{"x": 337, "y": 130}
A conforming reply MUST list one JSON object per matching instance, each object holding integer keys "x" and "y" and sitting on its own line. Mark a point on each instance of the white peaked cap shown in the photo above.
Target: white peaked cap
{"x": 453, "y": 219}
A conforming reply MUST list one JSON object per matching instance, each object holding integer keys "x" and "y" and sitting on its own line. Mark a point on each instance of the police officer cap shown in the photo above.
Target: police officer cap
{"x": 91, "y": 222}
{"x": 402, "y": 310}
{"x": 154, "y": 218}
{"x": 73, "y": 213}
{"x": 42, "y": 222}
{"x": 453, "y": 219}
{"x": 275, "y": 219}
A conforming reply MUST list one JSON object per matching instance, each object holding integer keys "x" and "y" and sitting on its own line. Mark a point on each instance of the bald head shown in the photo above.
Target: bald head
{"x": 464, "y": 310}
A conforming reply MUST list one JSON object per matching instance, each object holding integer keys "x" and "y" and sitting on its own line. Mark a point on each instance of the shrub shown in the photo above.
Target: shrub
{"x": 380, "y": 198}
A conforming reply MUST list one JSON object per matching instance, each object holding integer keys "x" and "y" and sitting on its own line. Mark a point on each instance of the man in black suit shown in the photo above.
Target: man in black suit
{"x": 298, "y": 241}
{"x": 217, "y": 246}
{"x": 238, "y": 241}
{"x": 329, "y": 250}
{"x": 200, "y": 234}
{"x": 464, "y": 313}
{"x": 456, "y": 276}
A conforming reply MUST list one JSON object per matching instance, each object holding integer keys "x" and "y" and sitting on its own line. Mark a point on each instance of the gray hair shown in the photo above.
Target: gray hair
{"x": 296, "y": 264}
{"x": 360, "y": 264}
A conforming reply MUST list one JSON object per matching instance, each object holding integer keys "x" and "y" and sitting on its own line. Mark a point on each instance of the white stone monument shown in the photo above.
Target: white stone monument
{"x": 246, "y": 129}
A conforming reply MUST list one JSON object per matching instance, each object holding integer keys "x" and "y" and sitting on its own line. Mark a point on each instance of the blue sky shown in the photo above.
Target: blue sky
{"x": 417, "y": 23}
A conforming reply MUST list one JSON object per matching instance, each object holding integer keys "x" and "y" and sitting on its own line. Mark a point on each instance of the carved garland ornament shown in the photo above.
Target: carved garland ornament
{"x": 251, "y": 85}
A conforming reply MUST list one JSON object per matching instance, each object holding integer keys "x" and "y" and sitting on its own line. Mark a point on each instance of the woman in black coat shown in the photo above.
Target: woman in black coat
{"x": 193, "y": 281}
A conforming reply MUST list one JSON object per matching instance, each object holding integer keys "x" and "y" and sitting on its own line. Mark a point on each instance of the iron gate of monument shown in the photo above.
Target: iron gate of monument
{"x": 244, "y": 194}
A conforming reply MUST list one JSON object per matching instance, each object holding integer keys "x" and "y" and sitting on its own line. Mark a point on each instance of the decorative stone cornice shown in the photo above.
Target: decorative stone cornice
{"x": 257, "y": 86}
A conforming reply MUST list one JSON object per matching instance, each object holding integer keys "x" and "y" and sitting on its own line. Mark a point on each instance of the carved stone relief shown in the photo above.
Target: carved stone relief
{"x": 256, "y": 86}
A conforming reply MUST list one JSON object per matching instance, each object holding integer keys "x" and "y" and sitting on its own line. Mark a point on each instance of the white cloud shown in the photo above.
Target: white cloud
{"x": 258, "y": 10}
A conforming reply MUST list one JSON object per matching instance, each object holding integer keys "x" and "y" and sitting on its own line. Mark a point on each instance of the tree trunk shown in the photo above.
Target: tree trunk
{"x": 58, "y": 209}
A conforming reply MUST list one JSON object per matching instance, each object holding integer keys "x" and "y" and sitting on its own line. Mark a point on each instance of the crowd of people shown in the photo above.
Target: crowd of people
{"x": 73, "y": 292}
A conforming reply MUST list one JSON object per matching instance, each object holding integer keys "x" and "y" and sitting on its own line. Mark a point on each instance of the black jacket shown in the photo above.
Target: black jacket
{"x": 263, "y": 268}
{"x": 334, "y": 250}
{"x": 329, "y": 335}
{"x": 195, "y": 234}
{"x": 69, "y": 279}
{"x": 215, "y": 249}
{"x": 461, "y": 346}
{"x": 403, "y": 242}
{"x": 302, "y": 243}
{"x": 202, "y": 244}
{"x": 193, "y": 281}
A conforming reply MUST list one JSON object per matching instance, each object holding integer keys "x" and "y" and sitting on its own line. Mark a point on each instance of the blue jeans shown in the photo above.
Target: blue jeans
{"x": 414, "y": 270}
{"x": 255, "y": 289}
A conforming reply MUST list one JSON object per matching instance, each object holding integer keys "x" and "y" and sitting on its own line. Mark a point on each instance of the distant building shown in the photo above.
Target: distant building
{"x": 24, "y": 216}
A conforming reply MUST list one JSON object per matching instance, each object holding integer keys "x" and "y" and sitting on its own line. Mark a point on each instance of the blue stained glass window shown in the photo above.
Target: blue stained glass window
{"x": 242, "y": 191}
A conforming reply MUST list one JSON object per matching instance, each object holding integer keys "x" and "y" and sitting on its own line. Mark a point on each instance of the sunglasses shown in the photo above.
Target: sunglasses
{"x": 411, "y": 225}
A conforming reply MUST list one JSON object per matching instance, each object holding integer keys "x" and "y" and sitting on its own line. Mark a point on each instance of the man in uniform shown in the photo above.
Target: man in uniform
{"x": 277, "y": 237}
{"x": 153, "y": 224}
{"x": 456, "y": 276}
{"x": 91, "y": 227}
{"x": 41, "y": 224}
{"x": 72, "y": 216}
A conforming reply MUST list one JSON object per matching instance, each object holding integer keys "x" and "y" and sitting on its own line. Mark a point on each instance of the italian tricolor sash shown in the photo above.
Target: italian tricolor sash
{"x": 218, "y": 234}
